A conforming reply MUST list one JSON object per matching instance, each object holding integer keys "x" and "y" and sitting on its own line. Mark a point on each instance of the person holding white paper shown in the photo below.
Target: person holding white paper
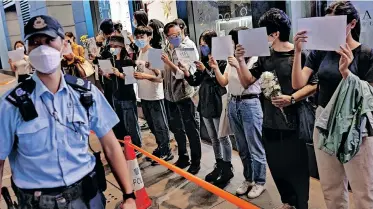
{"x": 150, "y": 87}
{"x": 22, "y": 67}
{"x": 210, "y": 107}
{"x": 245, "y": 119}
{"x": 124, "y": 94}
{"x": 181, "y": 110}
{"x": 331, "y": 67}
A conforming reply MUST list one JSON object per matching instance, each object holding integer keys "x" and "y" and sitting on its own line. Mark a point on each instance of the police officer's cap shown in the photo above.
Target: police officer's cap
{"x": 45, "y": 25}
{"x": 107, "y": 26}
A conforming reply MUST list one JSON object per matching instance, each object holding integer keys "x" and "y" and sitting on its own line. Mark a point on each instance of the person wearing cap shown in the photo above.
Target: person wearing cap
{"x": 124, "y": 93}
{"x": 45, "y": 126}
{"x": 181, "y": 110}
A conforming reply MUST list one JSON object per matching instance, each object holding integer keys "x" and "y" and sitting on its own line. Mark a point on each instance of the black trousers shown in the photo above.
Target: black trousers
{"x": 156, "y": 117}
{"x": 182, "y": 120}
{"x": 109, "y": 90}
{"x": 287, "y": 159}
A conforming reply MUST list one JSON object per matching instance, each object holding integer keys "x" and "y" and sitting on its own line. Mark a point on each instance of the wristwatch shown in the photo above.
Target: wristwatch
{"x": 129, "y": 196}
{"x": 292, "y": 100}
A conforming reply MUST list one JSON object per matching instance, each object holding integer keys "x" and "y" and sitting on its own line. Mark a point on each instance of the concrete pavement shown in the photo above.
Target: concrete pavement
{"x": 168, "y": 190}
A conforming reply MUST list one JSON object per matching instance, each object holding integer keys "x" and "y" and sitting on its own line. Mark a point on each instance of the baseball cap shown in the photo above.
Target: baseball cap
{"x": 43, "y": 24}
{"x": 107, "y": 26}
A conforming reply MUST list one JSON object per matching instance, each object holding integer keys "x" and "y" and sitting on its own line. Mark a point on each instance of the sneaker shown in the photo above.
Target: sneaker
{"x": 182, "y": 163}
{"x": 156, "y": 153}
{"x": 166, "y": 157}
{"x": 211, "y": 177}
{"x": 244, "y": 187}
{"x": 138, "y": 154}
{"x": 256, "y": 191}
{"x": 194, "y": 169}
{"x": 225, "y": 176}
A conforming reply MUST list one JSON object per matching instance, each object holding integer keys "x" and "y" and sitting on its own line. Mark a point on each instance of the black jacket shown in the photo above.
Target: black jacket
{"x": 210, "y": 92}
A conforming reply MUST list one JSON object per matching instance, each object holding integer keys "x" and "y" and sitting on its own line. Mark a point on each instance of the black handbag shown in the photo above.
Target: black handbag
{"x": 306, "y": 121}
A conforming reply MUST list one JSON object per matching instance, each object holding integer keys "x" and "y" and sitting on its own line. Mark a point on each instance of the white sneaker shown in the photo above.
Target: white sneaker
{"x": 256, "y": 191}
{"x": 244, "y": 187}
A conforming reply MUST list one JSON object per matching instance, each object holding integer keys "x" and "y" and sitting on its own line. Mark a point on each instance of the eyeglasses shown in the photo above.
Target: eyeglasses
{"x": 173, "y": 36}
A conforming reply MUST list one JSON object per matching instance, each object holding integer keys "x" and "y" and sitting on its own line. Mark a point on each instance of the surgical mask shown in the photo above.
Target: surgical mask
{"x": 205, "y": 50}
{"x": 134, "y": 24}
{"x": 45, "y": 59}
{"x": 175, "y": 41}
{"x": 141, "y": 43}
{"x": 20, "y": 48}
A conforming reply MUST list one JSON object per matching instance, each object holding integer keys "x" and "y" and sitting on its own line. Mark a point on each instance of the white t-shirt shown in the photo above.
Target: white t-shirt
{"x": 148, "y": 90}
{"x": 234, "y": 85}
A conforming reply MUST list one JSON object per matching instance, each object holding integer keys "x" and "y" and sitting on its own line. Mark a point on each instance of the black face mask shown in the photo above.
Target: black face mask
{"x": 99, "y": 44}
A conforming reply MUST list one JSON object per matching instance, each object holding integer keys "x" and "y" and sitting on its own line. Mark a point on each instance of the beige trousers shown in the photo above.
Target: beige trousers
{"x": 335, "y": 176}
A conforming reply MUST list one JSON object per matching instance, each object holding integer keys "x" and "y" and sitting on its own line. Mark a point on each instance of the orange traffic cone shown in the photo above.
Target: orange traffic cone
{"x": 142, "y": 199}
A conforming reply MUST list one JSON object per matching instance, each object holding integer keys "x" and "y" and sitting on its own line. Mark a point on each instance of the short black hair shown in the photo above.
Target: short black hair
{"x": 170, "y": 25}
{"x": 20, "y": 42}
{"x": 70, "y": 35}
{"x": 141, "y": 30}
{"x": 234, "y": 34}
{"x": 276, "y": 20}
{"x": 141, "y": 18}
{"x": 107, "y": 26}
{"x": 207, "y": 36}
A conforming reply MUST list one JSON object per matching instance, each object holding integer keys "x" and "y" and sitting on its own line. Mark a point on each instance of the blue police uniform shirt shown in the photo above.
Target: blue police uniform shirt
{"x": 48, "y": 154}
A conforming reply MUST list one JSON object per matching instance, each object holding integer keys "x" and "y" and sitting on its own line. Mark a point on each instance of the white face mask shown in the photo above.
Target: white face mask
{"x": 45, "y": 59}
{"x": 20, "y": 48}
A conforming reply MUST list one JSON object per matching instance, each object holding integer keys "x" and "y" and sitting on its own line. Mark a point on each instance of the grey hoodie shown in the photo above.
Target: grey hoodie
{"x": 175, "y": 87}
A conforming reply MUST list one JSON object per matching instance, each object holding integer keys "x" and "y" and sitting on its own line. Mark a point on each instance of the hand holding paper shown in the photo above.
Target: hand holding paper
{"x": 154, "y": 58}
{"x": 129, "y": 75}
{"x": 222, "y": 47}
{"x": 324, "y": 33}
{"x": 106, "y": 66}
{"x": 16, "y": 55}
{"x": 187, "y": 56}
{"x": 254, "y": 41}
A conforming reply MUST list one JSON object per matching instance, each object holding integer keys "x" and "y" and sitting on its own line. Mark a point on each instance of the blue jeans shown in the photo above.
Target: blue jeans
{"x": 246, "y": 119}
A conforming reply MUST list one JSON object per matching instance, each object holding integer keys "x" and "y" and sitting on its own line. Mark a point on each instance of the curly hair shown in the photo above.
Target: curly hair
{"x": 276, "y": 20}
{"x": 346, "y": 8}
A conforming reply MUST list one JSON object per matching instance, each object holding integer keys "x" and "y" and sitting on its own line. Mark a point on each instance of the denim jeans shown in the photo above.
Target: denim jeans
{"x": 156, "y": 117}
{"x": 182, "y": 120}
{"x": 246, "y": 119}
{"x": 222, "y": 146}
{"x": 128, "y": 124}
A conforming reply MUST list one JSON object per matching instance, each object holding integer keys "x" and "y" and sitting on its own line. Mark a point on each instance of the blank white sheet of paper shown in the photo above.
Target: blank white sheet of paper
{"x": 222, "y": 47}
{"x": 324, "y": 33}
{"x": 254, "y": 41}
{"x": 16, "y": 55}
{"x": 129, "y": 78}
{"x": 106, "y": 66}
{"x": 154, "y": 58}
{"x": 186, "y": 56}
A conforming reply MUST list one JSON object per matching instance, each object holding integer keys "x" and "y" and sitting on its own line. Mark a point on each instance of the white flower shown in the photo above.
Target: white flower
{"x": 268, "y": 76}
{"x": 277, "y": 87}
{"x": 267, "y": 94}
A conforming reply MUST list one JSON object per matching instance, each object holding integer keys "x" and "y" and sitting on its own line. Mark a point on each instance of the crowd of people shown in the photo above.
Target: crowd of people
{"x": 230, "y": 102}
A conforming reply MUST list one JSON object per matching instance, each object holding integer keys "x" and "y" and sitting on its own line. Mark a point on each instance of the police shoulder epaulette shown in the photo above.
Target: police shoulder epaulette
{"x": 78, "y": 83}
{"x": 22, "y": 90}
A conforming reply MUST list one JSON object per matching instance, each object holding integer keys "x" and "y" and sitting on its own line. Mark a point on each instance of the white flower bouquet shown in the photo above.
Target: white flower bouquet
{"x": 271, "y": 88}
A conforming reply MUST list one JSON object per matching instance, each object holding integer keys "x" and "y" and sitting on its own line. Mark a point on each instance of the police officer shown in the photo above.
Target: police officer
{"x": 45, "y": 125}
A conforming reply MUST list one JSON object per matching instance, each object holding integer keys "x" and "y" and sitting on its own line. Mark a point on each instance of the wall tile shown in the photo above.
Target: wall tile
{"x": 64, "y": 14}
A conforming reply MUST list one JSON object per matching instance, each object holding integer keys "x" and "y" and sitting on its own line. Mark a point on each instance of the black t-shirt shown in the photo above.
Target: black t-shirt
{"x": 281, "y": 63}
{"x": 123, "y": 91}
{"x": 326, "y": 65}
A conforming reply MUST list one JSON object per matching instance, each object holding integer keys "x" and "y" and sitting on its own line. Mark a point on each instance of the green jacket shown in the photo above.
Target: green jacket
{"x": 342, "y": 122}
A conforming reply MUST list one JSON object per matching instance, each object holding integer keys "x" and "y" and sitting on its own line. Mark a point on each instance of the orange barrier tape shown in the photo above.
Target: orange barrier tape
{"x": 6, "y": 83}
{"x": 209, "y": 187}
